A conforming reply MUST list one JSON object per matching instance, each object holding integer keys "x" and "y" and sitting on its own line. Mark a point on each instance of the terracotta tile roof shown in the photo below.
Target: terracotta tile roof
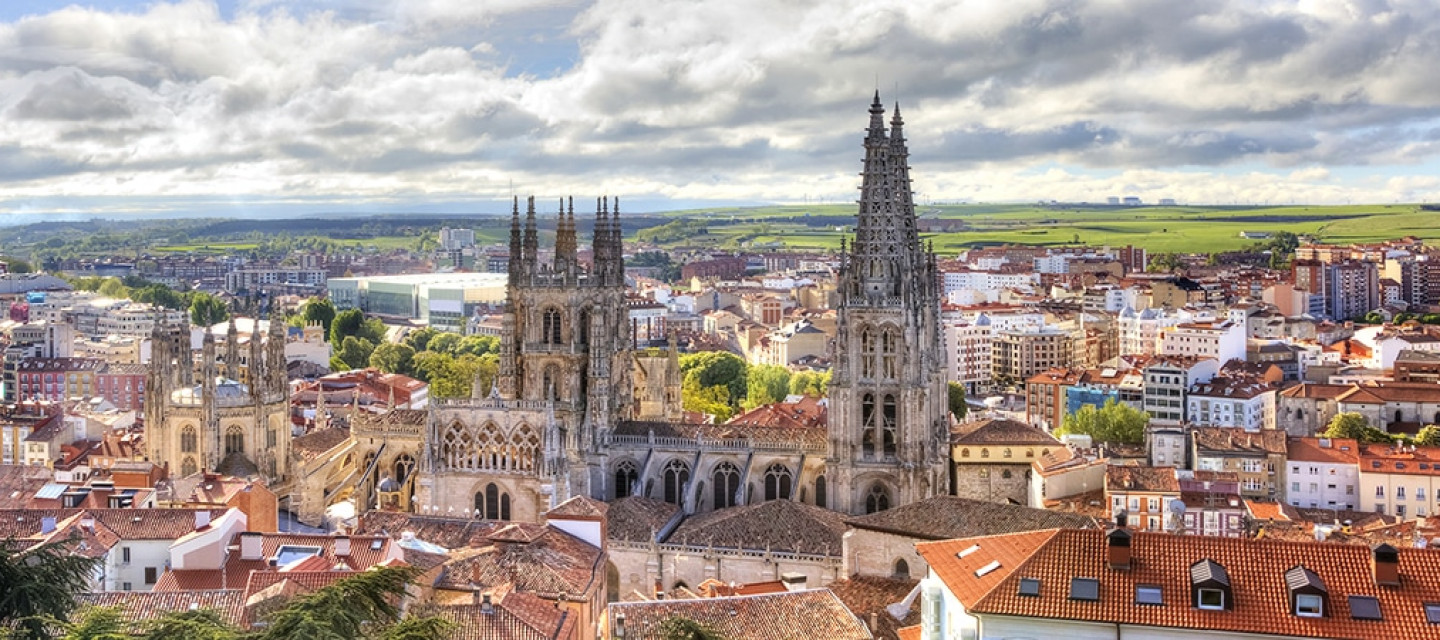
{"x": 1380, "y": 392}
{"x": 529, "y": 557}
{"x": 1271, "y": 511}
{"x": 805, "y": 413}
{"x": 142, "y": 606}
{"x": 778, "y": 525}
{"x": 1231, "y": 388}
{"x": 1311, "y": 390}
{"x": 365, "y": 552}
{"x": 318, "y": 441}
{"x": 1120, "y": 479}
{"x": 1256, "y": 571}
{"x": 639, "y": 519}
{"x": 944, "y": 517}
{"x": 999, "y": 431}
{"x": 797, "y": 615}
{"x": 519, "y": 616}
{"x": 19, "y": 482}
{"x": 208, "y": 488}
{"x": 1237, "y": 440}
{"x": 1413, "y": 461}
{"x": 451, "y": 533}
{"x": 1339, "y": 451}
{"x": 867, "y": 595}
{"x": 1058, "y": 376}
{"x": 910, "y": 633}
{"x": 579, "y": 507}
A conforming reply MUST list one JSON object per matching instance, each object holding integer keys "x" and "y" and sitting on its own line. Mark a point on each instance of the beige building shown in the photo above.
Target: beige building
{"x": 1399, "y": 481}
{"x": 1021, "y": 354}
{"x": 992, "y": 456}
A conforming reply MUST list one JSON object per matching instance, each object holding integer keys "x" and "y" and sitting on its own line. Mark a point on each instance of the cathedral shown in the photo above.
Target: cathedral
{"x": 235, "y": 418}
{"x": 578, "y": 409}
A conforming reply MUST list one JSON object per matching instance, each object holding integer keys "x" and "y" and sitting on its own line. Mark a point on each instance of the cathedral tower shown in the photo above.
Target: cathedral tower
{"x": 889, "y": 431}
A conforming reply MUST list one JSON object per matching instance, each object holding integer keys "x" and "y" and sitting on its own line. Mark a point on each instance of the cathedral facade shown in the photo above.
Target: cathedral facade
{"x": 209, "y": 420}
{"x": 578, "y": 409}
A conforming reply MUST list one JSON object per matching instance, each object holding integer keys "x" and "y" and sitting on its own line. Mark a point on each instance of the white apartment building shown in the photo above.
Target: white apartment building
{"x": 1223, "y": 402}
{"x": 1223, "y": 341}
{"x": 250, "y": 278}
{"x": 1168, "y": 379}
{"x": 1140, "y": 331}
{"x": 1324, "y": 473}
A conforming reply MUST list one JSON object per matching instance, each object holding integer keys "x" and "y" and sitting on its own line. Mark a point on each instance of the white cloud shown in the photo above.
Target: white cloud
{"x": 387, "y": 101}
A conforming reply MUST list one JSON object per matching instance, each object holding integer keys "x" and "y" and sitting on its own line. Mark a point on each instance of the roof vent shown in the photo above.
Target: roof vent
{"x": 967, "y": 551}
{"x": 989, "y": 567}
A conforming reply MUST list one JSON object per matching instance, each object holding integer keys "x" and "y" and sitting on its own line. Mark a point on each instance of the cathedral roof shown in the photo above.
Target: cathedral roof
{"x": 800, "y": 438}
{"x": 228, "y": 393}
{"x": 527, "y": 557}
{"x": 772, "y": 615}
{"x": 945, "y": 517}
{"x": 451, "y": 533}
{"x": 777, "y": 525}
{"x": 579, "y": 507}
{"x": 639, "y": 519}
{"x": 999, "y": 431}
{"x": 318, "y": 441}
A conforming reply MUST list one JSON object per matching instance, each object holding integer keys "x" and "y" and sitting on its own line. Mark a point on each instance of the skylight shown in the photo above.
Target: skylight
{"x": 993, "y": 565}
{"x": 1365, "y": 608}
{"x": 289, "y": 553}
{"x": 1031, "y": 587}
{"x": 1432, "y": 612}
{"x": 1085, "y": 589}
{"x": 968, "y": 550}
{"x": 1148, "y": 594}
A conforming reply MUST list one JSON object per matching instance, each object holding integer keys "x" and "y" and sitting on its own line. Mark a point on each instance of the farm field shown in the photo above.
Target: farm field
{"x": 1158, "y": 229}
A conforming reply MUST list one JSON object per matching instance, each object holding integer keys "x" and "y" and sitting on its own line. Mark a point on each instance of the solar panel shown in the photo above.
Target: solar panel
{"x": 51, "y": 491}
{"x": 1031, "y": 587}
{"x": 1085, "y": 589}
{"x": 1365, "y": 608}
{"x": 1148, "y": 594}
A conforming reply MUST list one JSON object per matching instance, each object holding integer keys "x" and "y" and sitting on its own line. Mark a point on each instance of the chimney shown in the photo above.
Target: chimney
{"x": 794, "y": 580}
{"x": 486, "y": 607}
{"x": 874, "y": 622}
{"x": 659, "y": 590}
{"x": 251, "y": 545}
{"x": 1387, "y": 566}
{"x": 47, "y": 525}
{"x": 342, "y": 546}
{"x": 202, "y": 519}
{"x": 88, "y": 523}
{"x": 1119, "y": 544}
{"x": 619, "y": 625}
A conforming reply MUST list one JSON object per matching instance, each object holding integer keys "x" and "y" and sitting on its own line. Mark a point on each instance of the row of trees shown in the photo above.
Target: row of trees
{"x": 1355, "y": 427}
{"x": 204, "y": 308}
{"x": 721, "y": 383}
{"x": 1114, "y": 422}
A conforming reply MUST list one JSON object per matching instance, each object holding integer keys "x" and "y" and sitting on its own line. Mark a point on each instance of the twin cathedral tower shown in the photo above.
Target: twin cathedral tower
{"x": 577, "y": 409}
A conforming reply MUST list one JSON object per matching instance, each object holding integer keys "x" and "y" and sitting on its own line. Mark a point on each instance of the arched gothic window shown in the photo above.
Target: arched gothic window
{"x": 902, "y": 569}
{"x": 553, "y": 383}
{"x": 889, "y": 426}
{"x": 867, "y": 425}
{"x": 404, "y": 464}
{"x": 625, "y": 477}
{"x": 584, "y": 328}
{"x": 492, "y": 503}
{"x": 877, "y": 499}
{"x": 867, "y": 353}
{"x": 726, "y": 478}
{"x": 188, "y": 441}
{"x": 525, "y": 447}
{"x": 234, "y": 440}
{"x": 777, "y": 482}
{"x": 457, "y": 447}
{"x": 820, "y": 492}
{"x": 677, "y": 475}
{"x": 890, "y": 349}
{"x": 188, "y": 467}
{"x": 551, "y": 326}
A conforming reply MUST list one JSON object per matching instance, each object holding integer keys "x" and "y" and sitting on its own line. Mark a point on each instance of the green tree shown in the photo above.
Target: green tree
{"x": 355, "y": 352}
{"x": 39, "y": 584}
{"x": 1430, "y": 318}
{"x": 345, "y": 324}
{"x": 713, "y": 400}
{"x": 1115, "y": 422}
{"x": 16, "y": 265}
{"x": 1354, "y": 426}
{"x": 95, "y": 623}
{"x": 444, "y": 343}
{"x": 958, "y": 408}
{"x": 393, "y": 358}
{"x": 679, "y": 627}
{"x": 1429, "y": 436}
{"x": 766, "y": 384}
{"x": 114, "y": 288}
{"x": 160, "y": 295}
{"x": 419, "y": 339}
{"x": 207, "y": 310}
{"x": 320, "y": 310}
{"x": 716, "y": 368}
{"x": 810, "y": 383}
{"x": 477, "y": 345}
{"x": 364, "y": 605}
{"x": 198, "y": 624}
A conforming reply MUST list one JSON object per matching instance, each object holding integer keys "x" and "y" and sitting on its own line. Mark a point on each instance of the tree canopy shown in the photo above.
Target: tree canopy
{"x": 679, "y": 627}
{"x": 38, "y": 585}
{"x": 765, "y": 384}
{"x": 1355, "y": 427}
{"x": 1115, "y": 422}
{"x": 320, "y": 310}
{"x": 810, "y": 383}
{"x": 958, "y": 408}
{"x": 207, "y": 310}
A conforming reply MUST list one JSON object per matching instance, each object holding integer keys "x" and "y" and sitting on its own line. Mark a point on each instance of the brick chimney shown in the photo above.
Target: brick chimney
{"x": 1118, "y": 542}
{"x": 1387, "y": 566}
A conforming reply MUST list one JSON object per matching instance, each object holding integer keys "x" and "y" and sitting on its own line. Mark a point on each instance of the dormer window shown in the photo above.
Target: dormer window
{"x": 1307, "y": 592}
{"x": 1213, "y": 599}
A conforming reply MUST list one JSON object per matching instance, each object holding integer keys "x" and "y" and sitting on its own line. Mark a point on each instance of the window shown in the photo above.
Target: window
{"x": 1419, "y": 493}
{"x": 188, "y": 440}
{"x": 234, "y": 440}
{"x": 1365, "y": 608}
{"x": 125, "y": 555}
{"x": 1432, "y": 612}
{"x": 1211, "y": 599}
{"x": 625, "y": 477}
{"x": 1399, "y": 493}
{"x": 820, "y": 492}
{"x": 1309, "y": 606}
{"x": 877, "y": 499}
{"x": 1380, "y": 491}
{"x": 902, "y": 570}
{"x": 1085, "y": 589}
{"x": 1031, "y": 587}
{"x": 677, "y": 475}
{"x": 150, "y": 575}
{"x": 727, "y": 484}
{"x": 1148, "y": 594}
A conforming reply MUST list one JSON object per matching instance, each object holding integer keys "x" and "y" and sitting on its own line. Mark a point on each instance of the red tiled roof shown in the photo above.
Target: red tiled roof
{"x": 1256, "y": 570}
{"x": 944, "y": 517}
{"x": 868, "y": 596}
{"x": 1123, "y": 479}
{"x": 1236, "y": 440}
{"x": 534, "y": 558}
{"x": 1414, "y": 461}
{"x": 999, "y": 431}
{"x": 519, "y": 616}
{"x": 1339, "y": 451}
{"x": 235, "y": 572}
{"x": 142, "y": 606}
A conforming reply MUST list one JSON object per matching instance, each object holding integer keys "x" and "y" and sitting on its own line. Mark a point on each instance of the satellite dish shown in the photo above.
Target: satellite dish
{"x": 1177, "y": 506}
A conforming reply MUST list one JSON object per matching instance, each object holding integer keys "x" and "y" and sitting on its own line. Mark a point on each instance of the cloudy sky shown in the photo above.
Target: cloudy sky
{"x": 115, "y": 106}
